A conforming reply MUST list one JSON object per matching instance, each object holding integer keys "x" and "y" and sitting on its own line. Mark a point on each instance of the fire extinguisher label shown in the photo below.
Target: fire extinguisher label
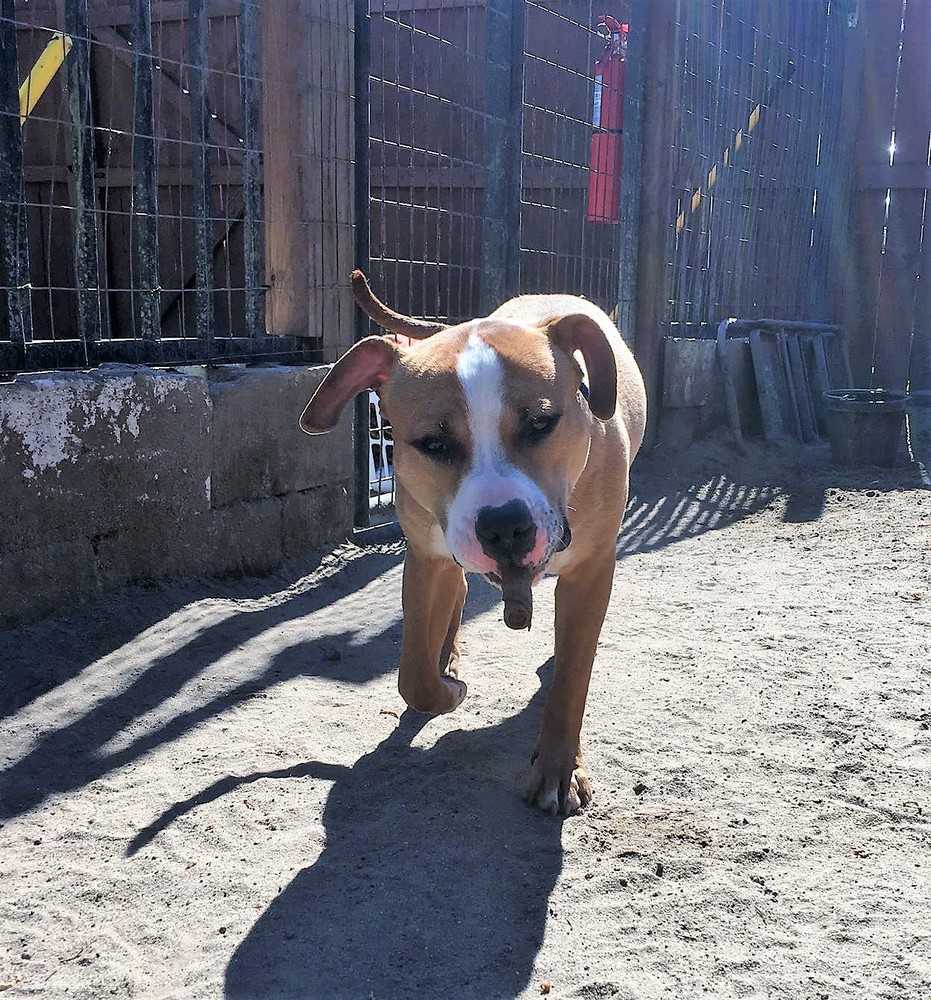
{"x": 596, "y": 109}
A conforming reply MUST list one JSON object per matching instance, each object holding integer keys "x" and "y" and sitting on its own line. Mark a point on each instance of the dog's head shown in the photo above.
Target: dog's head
{"x": 491, "y": 424}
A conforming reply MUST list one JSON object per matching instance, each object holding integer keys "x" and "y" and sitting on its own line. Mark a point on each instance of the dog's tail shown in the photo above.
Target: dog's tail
{"x": 387, "y": 318}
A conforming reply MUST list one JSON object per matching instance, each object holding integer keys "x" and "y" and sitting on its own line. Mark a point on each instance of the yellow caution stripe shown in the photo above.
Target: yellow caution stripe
{"x": 42, "y": 74}
{"x": 728, "y": 157}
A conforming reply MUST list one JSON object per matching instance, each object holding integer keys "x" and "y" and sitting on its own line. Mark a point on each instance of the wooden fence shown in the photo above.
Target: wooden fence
{"x": 885, "y": 287}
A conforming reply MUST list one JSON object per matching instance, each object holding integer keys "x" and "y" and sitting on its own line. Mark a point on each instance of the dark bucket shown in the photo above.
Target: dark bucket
{"x": 919, "y": 426}
{"x": 865, "y": 425}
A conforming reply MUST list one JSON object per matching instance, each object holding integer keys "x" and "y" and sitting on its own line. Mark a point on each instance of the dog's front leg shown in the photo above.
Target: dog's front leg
{"x": 558, "y": 781}
{"x": 433, "y": 595}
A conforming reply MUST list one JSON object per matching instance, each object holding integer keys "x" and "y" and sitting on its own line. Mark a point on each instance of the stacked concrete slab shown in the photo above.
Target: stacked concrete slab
{"x": 129, "y": 474}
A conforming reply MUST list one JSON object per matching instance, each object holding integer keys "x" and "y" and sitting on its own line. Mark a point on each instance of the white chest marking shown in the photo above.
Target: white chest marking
{"x": 482, "y": 377}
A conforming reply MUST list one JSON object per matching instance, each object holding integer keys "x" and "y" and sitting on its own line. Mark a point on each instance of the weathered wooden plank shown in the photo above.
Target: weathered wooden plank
{"x": 788, "y": 395}
{"x": 309, "y": 186}
{"x": 122, "y": 14}
{"x": 799, "y": 376}
{"x": 15, "y": 306}
{"x": 820, "y": 379}
{"x": 198, "y": 42}
{"x": 897, "y": 321}
{"x": 146, "y": 291}
{"x": 881, "y": 25}
{"x": 768, "y": 369}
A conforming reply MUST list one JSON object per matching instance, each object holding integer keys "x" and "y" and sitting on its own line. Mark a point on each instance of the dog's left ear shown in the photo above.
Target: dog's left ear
{"x": 579, "y": 332}
{"x": 365, "y": 365}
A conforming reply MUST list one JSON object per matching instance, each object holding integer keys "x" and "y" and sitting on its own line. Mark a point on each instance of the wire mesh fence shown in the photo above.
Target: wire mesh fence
{"x": 188, "y": 180}
{"x": 572, "y": 145}
{"x": 757, "y": 90}
{"x": 133, "y": 195}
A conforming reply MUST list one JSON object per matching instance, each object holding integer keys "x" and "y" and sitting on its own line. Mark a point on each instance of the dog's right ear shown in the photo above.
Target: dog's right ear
{"x": 365, "y": 365}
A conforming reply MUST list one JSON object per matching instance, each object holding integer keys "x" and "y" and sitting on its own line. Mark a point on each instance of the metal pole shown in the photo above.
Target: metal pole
{"x": 362, "y": 59}
{"x": 504, "y": 85}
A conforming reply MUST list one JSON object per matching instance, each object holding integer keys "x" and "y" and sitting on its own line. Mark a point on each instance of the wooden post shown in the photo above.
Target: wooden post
{"x": 504, "y": 84}
{"x": 655, "y": 201}
{"x": 308, "y": 156}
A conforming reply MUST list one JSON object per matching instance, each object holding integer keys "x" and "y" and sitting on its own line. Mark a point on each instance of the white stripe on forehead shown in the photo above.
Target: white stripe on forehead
{"x": 482, "y": 377}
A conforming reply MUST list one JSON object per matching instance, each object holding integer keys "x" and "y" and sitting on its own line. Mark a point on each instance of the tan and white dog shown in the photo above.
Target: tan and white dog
{"x": 511, "y": 460}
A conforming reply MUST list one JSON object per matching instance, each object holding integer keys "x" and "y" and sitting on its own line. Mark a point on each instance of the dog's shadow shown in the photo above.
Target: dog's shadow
{"x": 434, "y": 880}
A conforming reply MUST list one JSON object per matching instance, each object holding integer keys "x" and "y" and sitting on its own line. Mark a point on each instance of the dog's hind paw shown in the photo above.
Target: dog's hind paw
{"x": 437, "y": 698}
{"x": 558, "y": 784}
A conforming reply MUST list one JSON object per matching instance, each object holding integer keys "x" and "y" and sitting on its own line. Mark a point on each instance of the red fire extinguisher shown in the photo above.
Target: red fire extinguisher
{"x": 607, "y": 149}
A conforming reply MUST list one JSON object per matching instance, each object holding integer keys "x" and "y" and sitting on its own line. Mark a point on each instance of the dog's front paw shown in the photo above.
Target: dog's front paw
{"x": 558, "y": 782}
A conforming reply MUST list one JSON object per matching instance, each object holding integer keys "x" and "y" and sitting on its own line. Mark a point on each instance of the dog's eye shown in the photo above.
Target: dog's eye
{"x": 433, "y": 446}
{"x": 536, "y": 428}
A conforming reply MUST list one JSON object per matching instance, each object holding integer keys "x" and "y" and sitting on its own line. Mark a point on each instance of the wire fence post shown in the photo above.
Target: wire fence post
{"x": 15, "y": 313}
{"x": 655, "y": 223}
{"x": 361, "y": 67}
{"x": 146, "y": 293}
{"x": 504, "y": 85}
{"x": 198, "y": 34}
{"x": 251, "y": 166}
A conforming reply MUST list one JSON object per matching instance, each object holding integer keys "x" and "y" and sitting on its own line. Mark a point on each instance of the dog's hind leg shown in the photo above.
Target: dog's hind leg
{"x": 434, "y": 593}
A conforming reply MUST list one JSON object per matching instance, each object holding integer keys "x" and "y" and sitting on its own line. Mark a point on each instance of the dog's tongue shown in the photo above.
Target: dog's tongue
{"x": 518, "y": 597}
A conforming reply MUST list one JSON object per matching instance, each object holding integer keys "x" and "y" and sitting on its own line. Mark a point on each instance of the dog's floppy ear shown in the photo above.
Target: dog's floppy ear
{"x": 579, "y": 332}
{"x": 365, "y": 365}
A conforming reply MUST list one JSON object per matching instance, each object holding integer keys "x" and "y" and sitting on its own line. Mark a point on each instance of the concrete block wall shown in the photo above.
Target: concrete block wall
{"x": 128, "y": 474}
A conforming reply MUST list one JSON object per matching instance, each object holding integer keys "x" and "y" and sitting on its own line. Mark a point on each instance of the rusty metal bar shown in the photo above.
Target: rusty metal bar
{"x": 251, "y": 175}
{"x": 146, "y": 294}
{"x": 198, "y": 36}
{"x": 84, "y": 187}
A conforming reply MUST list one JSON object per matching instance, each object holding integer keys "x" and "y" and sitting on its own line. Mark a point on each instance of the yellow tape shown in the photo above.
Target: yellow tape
{"x": 735, "y": 146}
{"x": 42, "y": 74}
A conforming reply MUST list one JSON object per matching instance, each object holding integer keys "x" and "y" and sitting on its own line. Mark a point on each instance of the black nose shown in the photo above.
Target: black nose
{"x": 506, "y": 533}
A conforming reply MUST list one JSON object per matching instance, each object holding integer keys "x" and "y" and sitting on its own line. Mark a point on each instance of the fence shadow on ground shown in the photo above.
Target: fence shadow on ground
{"x": 81, "y": 742}
{"x": 403, "y": 901}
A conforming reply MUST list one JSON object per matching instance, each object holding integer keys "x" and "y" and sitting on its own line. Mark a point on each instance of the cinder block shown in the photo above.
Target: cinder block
{"x": 691, "y": 375}
{"x": 246, "y": 538}
{"x": 258, "y": 448}
{"x": 79, "y": 450}
{"x": 315, "y": 519}
{"x": 45, "y": 579}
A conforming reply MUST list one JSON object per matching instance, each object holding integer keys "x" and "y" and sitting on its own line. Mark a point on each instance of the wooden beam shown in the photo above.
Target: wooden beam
{"x": 308, "y": 158}
{"x": 114, "y": 15}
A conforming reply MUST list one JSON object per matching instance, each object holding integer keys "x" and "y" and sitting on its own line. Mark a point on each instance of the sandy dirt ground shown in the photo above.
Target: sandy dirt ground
{"x": 210, "y": 790}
